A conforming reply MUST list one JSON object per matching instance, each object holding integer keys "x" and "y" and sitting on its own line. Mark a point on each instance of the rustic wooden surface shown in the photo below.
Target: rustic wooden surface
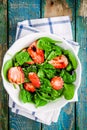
{"x": 73, "y": 115}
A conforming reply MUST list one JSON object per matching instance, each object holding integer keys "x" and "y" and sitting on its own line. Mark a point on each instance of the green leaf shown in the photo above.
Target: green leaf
{"x": 25, "y": 96}
{"x": 57, "y": 48}
{"x": 44, "y": 45}
{"x": 62, "y": 72}
{"x": 45, "y": 81}
{"x": 22, "y": 57}
{"x": 38, "y": 101}
{"x": 25, "y": 72}
{"x": 6, "y": 67}
{"x": 56, "y": 93}
{"x": 50, "y": 73}
{"x": 69, "y": 67}
{"x": 31, "y": 68}
{"x": 67, "y": 77}
{"x": 53, "y": 54}
{"x": 69, "y": 91}
{"x": 45, "y": 96}
{"x": 45, "y": 88}
{"x": 50, "y": 40}
{"x": 46, "y": 53}
{"x": 16, "y": 64}
{"x": 47, "y": 66}
{"x": 42, "y": 96}
{"x": 45, "y": 85}
{"x": 41, "y": 73}
{"x": 72, "y": 58}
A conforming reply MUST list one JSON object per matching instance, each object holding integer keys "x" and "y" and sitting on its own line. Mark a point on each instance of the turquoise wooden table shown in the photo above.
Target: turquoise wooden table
{"x": 74, "y": 115}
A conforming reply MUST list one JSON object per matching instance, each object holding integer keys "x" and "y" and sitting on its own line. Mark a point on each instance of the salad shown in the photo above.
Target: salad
{"x": 44, "y": 72}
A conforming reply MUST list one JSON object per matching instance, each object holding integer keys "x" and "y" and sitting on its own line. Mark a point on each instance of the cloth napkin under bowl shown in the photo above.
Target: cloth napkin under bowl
{"x": 60, "y": 26}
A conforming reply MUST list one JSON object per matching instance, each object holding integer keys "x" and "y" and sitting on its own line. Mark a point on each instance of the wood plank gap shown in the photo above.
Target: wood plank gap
{"x": 41, "y": 8}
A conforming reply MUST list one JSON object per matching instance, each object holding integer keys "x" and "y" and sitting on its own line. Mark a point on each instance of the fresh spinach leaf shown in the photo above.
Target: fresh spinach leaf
{"x": 72, "y": 58}
{"x": 57, "y": 48}
{"x": 41, "y": 73}
{"x": 31, "y": 68}
{"x": 45, "y": 85}
{"x": 44, "y": 45}
{"x": 69, "y": 91}
{"x": 69, "y": 67}
{"x": 67, "y": 77}
{"x": 46, "y": 53}
{"x": 25, "y": 96}
{"x": 45, "y": 88}
{"x": 47, "y": 66}
{"x": 38, "y": 101}
{"x": 22, "y": 57}
{"x": 55, "y": 51}
{"x": 56, "y": 93}
{"x": 50, "y": 40}
{"x": 43, "y": 96}
{"x": 45, "y": 81}
{"x": 25, "y": 72}
{"x": 50, "y": 73}
{"x": 53, "y": 54}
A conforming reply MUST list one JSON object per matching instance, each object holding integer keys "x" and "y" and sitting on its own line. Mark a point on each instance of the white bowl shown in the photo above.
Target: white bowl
{"x": 13, "y": 93}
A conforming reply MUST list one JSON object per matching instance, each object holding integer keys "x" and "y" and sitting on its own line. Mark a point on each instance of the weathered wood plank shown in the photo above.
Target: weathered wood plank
{"x": 3, "y": 95}
{"x": 20, "y": 10}
{"x": 3, "y": 20}
{"x": 83, "y": 8}
{"x": 3, "y": 48}
{"x": 57, "y": 8}
{"x": 81, "y": 37}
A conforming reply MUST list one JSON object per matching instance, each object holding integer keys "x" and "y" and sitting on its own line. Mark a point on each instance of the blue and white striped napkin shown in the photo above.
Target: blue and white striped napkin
{"x": 60, "y": 26}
